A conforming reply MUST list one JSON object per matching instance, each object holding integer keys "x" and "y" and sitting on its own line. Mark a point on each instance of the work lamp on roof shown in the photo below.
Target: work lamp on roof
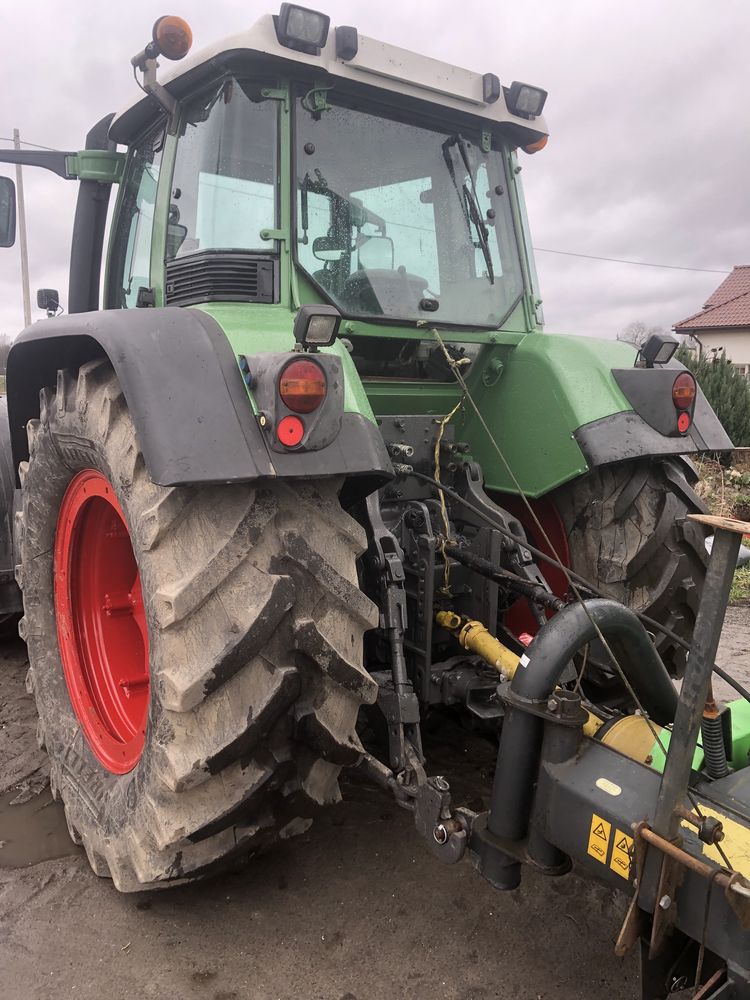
{"x": 316, "y": 326}
{"x": 524, "y": 100}
{"x": 658, "y": 349}
{"x": 302, "y": 29}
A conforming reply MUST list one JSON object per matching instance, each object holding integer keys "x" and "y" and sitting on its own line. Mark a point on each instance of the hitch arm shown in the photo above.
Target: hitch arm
{"x": 396, "y": 697}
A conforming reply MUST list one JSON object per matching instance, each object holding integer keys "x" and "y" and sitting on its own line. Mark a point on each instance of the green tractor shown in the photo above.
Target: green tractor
{"x": 308, "y": 471}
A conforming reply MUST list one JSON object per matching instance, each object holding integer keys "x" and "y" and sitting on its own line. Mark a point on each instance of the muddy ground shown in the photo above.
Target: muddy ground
{"x": 356, "y": 909}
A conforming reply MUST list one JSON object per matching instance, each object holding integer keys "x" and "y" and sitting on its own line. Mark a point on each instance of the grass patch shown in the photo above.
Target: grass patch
{"x": 740, "y": 592}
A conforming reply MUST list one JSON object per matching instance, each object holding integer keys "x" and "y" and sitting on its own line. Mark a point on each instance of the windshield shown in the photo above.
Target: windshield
{"x": 401, "y": 220}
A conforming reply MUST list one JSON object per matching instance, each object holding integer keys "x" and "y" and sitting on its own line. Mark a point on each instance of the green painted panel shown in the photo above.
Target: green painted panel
{"x": 96, "y": 165}
{"x": 255, "y": 329}
{"x": 533, "y": 392}
{"x": 550, "y": 386}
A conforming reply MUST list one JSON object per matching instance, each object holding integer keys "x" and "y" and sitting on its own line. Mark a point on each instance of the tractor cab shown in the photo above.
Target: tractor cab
{"x": 275, "y": 170}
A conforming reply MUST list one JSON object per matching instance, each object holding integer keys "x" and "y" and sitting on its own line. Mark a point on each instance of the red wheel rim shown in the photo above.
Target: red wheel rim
{"x": 101, "y": 622}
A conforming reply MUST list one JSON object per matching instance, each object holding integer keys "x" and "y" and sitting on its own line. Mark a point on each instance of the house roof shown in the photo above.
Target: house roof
{"x": 728, "y": 306}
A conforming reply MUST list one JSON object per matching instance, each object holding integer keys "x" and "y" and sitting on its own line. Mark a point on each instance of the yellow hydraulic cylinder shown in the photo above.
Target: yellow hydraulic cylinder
{"x": 474, "y": 636}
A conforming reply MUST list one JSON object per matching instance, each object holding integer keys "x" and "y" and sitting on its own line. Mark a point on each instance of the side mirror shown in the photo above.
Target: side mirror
{"x": 328, "y": 248}
{"x": 376, "y": 253}
{"x": 7, "y": 212}
{"x": 49, "y": 300}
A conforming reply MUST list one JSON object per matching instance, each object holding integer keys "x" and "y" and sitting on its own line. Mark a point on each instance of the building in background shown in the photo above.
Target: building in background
{"x": 723, "y": 324}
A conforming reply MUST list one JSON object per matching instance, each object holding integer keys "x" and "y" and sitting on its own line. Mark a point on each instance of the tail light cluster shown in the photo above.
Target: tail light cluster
{"x": 684, "y": 391}
{"x": 302, "y": 388}
{"x": 298, "y": 397}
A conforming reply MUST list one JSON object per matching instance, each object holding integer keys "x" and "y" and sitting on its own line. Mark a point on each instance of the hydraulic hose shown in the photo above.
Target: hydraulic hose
{"x": 547, "y": 656}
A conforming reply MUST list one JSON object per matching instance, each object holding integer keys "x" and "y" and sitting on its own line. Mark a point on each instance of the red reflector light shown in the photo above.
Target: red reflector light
{"x": 302, "y": 386}
{"x": 683, "y": 391}
{"x": 683, "y": 422}
{"x": 290, "y": 431}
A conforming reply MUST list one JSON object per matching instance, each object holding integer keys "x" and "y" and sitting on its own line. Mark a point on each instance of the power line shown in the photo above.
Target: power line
{"x": 563, "y": 253}
{"x": 23, "y": 142}
{"x": 639, "y": 263}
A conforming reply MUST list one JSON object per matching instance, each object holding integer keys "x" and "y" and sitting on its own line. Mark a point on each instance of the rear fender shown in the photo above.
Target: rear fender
{"x": 564, "y": 405}
{"x": 185, "y": 391}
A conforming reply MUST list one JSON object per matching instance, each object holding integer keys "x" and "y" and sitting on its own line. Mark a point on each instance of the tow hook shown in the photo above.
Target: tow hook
{"x": 446, "y": 833}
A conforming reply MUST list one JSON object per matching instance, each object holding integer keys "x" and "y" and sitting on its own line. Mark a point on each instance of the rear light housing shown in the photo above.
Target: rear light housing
{"x": 302, "y": 386}
{"x": 298, "y": 398}
{"x": 684, "y": 390}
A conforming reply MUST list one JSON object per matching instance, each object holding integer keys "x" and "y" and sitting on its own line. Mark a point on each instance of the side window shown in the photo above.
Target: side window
{"x": 130, "y": 264}
{"x": 224, "y": 182}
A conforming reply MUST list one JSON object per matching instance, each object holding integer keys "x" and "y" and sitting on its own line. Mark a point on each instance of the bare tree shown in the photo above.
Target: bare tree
{"x": 637, "y": 333}
{"x": 5, "y": 343}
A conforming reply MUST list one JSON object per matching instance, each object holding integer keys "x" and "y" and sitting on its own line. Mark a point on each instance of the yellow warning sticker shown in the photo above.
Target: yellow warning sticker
{"x": 599, "y": 838}
{"x": 622, "y": 854}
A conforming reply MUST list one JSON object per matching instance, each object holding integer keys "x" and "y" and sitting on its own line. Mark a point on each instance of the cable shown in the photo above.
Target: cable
{"x": 595, "y": 626}
{"x": 4, "y": 138}
{"x": 582, "y": 581}
{"x": 638, "y": 263}
{"x": 540, "y": 527}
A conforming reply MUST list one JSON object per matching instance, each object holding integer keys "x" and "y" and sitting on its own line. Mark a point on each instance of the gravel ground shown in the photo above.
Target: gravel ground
{"x": 356, "y": 909}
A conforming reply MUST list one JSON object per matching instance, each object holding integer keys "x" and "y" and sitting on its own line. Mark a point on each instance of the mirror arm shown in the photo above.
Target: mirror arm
{"x": 54, "y": 160}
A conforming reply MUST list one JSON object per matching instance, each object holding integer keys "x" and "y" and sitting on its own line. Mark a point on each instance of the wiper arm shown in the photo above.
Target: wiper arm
{"x": 476, "y": 217}
{"x": 470, "y": 202}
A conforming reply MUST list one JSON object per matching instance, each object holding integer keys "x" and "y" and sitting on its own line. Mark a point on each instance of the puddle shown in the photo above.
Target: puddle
{"x": 32, "y": 831}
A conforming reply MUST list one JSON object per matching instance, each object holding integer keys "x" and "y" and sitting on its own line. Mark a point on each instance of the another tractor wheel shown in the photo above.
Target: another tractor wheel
{"x": 626, "y": 533}
{"x": 195, "y": 653}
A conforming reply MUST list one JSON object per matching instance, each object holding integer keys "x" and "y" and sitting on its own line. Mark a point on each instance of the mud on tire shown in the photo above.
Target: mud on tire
{"x": 628, "y": 535}
{"x": 255, "y": 625}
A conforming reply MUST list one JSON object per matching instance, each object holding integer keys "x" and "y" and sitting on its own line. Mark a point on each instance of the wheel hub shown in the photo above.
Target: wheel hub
{"x": 101, "y": 621}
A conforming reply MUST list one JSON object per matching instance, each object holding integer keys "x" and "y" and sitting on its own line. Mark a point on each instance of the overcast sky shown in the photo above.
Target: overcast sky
{"x": 648, "y": 159}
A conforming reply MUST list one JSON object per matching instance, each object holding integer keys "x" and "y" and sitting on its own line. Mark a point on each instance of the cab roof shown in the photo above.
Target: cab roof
{"x": 381, "y": 66}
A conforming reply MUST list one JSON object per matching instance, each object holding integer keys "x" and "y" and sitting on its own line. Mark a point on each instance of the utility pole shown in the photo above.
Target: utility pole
{"x": 22, "y": 235}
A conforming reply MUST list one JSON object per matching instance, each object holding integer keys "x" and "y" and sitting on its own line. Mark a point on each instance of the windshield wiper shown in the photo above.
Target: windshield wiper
{"x": 470, "y": 202}
{"x": 481, "y": 229}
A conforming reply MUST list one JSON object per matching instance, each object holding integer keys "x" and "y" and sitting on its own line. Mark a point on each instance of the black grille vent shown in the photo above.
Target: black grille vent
{"x": 220, "y": 276}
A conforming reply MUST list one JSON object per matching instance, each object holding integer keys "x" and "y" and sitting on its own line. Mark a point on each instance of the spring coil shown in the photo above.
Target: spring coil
{"x": 714, "y": 749}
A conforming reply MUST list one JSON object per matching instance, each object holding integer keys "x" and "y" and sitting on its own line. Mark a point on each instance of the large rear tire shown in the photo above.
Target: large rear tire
{"x": 253, "y": 633}
{"x": 627, "y": 533}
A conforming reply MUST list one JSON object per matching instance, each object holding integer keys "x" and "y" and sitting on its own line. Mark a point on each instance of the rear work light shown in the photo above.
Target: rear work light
{"x": 683, "y": 391}
{"x": 302, "y": 386}
{"x": 524, "y": 100}
{"x": 302, "y": 29}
